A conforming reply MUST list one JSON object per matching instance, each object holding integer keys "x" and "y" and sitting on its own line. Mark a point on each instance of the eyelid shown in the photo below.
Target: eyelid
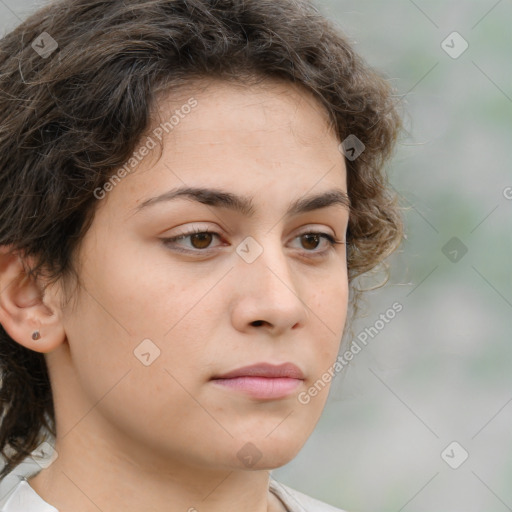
{"x": 310, "y": 228}
{"x": 331, "y": 239}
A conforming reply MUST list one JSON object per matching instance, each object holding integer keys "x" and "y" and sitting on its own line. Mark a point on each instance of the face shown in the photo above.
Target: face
{"x": 156, "y": 320}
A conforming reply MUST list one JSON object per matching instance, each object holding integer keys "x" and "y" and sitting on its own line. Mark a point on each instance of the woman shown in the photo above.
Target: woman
{"x": 188, "y": 191}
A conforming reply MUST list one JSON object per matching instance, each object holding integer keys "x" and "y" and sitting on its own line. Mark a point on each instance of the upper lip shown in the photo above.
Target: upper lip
{"x": 268, "y": 370}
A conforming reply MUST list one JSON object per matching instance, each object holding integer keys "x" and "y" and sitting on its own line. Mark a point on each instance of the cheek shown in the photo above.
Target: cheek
{"x": 145, "y": 299}
{"x": 328, "y": 305}
{"x": 145, "y": 401}
{"x": 328, "y": 313}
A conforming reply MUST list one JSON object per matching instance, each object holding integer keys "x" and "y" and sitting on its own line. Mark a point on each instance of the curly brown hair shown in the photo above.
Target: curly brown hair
{"x": 71, "y": 117}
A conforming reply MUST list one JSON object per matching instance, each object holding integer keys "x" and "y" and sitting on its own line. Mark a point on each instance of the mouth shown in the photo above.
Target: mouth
{"x": 262, "y": 380}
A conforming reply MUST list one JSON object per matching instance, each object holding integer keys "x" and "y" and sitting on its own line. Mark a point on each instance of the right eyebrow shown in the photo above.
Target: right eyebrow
{"x": 244, "y": 205}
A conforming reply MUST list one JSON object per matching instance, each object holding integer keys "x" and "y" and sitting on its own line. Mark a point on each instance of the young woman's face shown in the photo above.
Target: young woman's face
{"x": 155, "y": 322}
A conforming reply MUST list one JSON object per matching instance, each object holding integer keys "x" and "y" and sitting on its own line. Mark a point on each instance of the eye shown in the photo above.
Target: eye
{"x": 311, "y": 240}
{"x": 200, "y": 242}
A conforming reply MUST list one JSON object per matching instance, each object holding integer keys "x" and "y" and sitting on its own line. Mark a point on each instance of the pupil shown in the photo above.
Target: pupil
{"x": 204, "y": 240}
{"x": 202, "y": 237}
{"x": 315, "y": 237}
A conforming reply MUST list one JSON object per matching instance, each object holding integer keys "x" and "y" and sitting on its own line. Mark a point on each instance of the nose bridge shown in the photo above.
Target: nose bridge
{"x": 267, "y": 288}
{"x": 266, "y": 266}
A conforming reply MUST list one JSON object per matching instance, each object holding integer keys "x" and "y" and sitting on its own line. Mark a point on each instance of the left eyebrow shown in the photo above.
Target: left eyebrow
{"x": 243, "y": 204}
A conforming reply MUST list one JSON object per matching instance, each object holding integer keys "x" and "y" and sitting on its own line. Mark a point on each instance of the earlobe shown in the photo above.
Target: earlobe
{"x": 25, "y": 312}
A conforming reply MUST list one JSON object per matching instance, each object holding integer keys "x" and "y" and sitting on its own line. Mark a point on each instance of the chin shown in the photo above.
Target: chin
{"x": 268, "y": 453}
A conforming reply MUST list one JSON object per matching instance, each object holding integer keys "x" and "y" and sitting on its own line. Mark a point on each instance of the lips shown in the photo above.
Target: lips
{"x": 266, "y": 370}
{"x": 262, "y": 381}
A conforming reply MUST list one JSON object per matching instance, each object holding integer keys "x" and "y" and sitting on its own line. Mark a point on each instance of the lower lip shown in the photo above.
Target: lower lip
{"x": 262, "y": 387}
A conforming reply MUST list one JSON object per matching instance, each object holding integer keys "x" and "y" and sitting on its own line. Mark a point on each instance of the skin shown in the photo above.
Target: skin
{"x": 163, "y": 437}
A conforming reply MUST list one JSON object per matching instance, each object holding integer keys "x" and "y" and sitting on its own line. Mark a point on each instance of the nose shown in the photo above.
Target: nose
{"x": 268, "y": 293}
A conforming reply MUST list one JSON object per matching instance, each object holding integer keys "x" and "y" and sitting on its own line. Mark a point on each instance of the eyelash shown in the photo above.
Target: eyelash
{"x": 332, "y": 242}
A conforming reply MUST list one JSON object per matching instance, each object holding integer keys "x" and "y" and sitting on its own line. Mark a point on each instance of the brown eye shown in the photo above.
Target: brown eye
{"x": 310, "y": 243}
{"x": 201, "y": 240}
{"x": 197, "y": 241}
{"x": 312, "y": 240}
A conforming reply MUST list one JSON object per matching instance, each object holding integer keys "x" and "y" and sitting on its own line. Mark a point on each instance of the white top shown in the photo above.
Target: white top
{"x": 23, "y": 498}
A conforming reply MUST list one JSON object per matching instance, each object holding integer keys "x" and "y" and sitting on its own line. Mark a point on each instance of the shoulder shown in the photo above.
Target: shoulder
{"x": 296, "y": 501}
{"x": 23, "y": 498}
{"x": 17, "y": 495}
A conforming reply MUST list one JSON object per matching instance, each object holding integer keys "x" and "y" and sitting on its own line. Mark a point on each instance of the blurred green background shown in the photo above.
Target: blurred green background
{"x": 440, "y": 371}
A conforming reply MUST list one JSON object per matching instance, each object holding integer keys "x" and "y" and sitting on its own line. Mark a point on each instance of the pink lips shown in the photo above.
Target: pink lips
{"x": 263, "y": 380}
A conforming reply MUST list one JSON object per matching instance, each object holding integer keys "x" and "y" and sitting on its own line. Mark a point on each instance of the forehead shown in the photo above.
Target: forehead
{"x": 271, "y": 136}
{"x": 258, "y": 105}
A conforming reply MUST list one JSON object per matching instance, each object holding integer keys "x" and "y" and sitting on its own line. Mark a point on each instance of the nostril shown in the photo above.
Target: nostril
{"x": 257, "y": 323}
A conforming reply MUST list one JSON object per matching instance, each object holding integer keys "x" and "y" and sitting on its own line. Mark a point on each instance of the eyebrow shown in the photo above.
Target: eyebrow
{"x": 244, "y": 205}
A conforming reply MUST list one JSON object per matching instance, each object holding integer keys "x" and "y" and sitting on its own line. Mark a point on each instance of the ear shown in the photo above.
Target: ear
{"x": 25, "y": 307}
